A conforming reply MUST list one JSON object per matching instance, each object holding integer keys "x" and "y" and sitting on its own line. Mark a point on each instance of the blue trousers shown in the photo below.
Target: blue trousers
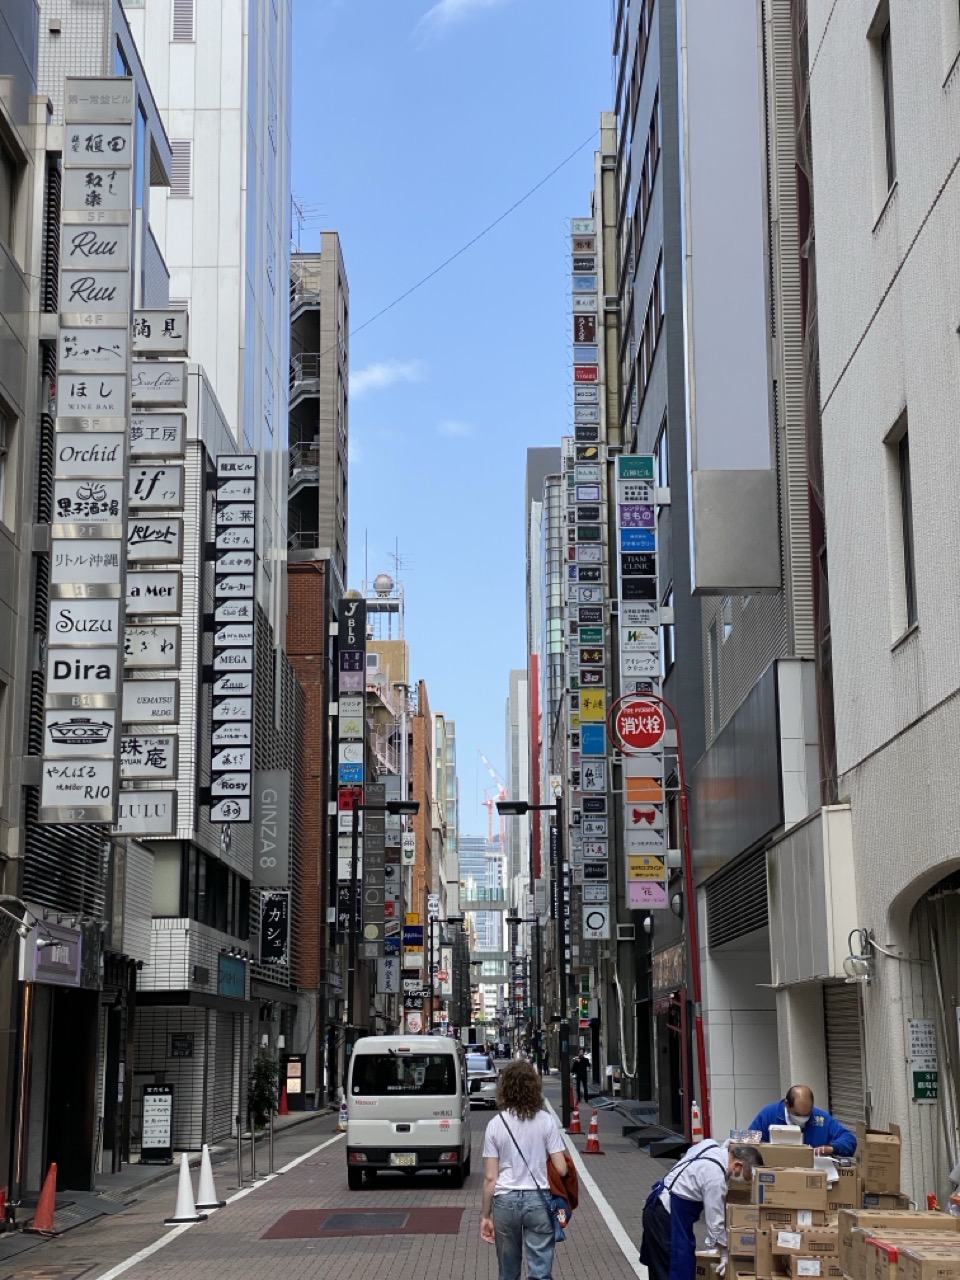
{"x": 519, "y": 1218}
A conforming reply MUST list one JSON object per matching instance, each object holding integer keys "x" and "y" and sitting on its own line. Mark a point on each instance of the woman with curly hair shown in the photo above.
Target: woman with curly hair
{"x": 519, "y": 1141}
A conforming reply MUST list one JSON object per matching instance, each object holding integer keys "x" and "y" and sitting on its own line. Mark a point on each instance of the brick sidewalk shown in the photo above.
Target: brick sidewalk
{"x": 230, "y": 1245}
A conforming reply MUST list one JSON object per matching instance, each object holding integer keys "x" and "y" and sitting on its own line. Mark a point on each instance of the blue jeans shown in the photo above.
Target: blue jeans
{"x": 519, "y": 1218}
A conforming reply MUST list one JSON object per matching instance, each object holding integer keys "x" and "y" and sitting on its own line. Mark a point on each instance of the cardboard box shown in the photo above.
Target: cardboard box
{"x": 847, "y": 1191}
{"x": 879, "y": 1154}
{"x": 795, "y": 1219}
{"x": 802, "y": 1268}
{"x": 805, "y": 1242}
{"x": 742, "y": 1242}
{"x": 877, "y": 1200}
{"x": 790, "y": 1188}
{"x": 930, "y": 1262}
{"x": 854, "y": 1246}
{"x": 878, "y": 1221}
{"x": 705, "y": 1265}
{"x": 742, "y": 1215}
{"x": 782, "y": 1155}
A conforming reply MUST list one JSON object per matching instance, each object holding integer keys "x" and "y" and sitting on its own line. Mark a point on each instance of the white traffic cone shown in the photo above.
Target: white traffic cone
{"x": 206, "y": 1192}
{"x": 186, "y": 1210}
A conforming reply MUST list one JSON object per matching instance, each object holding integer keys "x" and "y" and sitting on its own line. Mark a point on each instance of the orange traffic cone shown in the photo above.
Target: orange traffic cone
{"x": 42, "y": 1224}
{"x": 574, "y": 1125}
{"x": 696, "y": 1123}
{"x": 593, "y": 1138}
{"x": 283, "y": 1109}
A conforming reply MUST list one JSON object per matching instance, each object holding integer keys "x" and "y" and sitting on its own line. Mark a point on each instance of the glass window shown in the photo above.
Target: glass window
{"x": 6, "y": 428}
{"x": 9, "y": 173}
{"x": 886, "y": 73}
{"x": 403, "y": 1074}
{"x": 906, "y": 519}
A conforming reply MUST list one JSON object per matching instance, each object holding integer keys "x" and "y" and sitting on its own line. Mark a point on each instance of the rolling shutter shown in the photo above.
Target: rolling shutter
{"x": 844, "y": 1045}
{"x": 737, "y": 899}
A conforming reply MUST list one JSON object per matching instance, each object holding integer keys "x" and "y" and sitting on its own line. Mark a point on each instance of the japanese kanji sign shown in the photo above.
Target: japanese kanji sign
{"x": 639, "y": 724}
{"x": 275, "y": 928}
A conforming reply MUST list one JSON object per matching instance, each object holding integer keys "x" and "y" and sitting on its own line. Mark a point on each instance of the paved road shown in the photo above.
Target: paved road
{"x": 253, "y": 1236}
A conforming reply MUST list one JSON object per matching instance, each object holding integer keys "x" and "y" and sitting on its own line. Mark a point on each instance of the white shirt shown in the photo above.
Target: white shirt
{"x": 537, "y": 1138}
{"x": 703, "y": 1178}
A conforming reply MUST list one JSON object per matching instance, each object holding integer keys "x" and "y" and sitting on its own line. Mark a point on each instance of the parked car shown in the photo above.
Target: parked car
{"x": 481, "y": 1080}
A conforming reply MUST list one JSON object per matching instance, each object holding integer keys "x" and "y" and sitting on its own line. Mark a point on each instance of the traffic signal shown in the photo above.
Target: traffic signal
{"x": 584, "y": 1007}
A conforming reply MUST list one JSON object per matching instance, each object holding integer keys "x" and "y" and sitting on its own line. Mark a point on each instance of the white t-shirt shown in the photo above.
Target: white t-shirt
{"x": 537, "y": 1138}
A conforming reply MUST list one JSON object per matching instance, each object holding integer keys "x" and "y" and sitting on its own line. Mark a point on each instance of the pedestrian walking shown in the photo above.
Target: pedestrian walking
{"x": 519, "y": 1142}
{"x": 579, "y": 1069}
{"x": 696, "y": 1183}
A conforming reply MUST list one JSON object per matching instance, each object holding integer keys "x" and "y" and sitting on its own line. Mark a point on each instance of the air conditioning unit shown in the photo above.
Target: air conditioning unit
{"x": 626, "y": 933}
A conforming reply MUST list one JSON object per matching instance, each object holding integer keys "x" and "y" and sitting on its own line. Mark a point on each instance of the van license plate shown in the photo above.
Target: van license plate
{"x": 403, "y": 1159}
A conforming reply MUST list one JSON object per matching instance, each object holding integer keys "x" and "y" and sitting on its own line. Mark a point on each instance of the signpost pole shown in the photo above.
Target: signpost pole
{"x": 562, "y": 970}
{"x": 239, "y": 1154}
{"x": 352, "y": 935}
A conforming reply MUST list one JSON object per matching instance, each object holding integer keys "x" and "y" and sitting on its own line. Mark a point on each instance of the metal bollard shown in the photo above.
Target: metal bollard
{"x": 239, "y": 1154}
{"x": 253, "y": 1150}
{"x": 270, "y": 1142}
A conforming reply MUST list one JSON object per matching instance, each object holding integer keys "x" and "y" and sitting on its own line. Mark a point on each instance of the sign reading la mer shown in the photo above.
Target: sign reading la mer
{"x": 88, "y": 553}
{"x": 235, "y": 581}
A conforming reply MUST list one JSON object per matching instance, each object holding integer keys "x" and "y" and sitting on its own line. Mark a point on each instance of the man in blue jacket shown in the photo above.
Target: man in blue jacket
{"x": 821, "y": 1131}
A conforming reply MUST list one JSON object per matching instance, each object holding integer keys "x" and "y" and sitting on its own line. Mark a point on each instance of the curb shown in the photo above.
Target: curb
{"x": 221, "y": 1149}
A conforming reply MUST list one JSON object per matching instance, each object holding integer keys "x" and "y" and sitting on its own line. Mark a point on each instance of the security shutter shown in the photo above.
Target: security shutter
{"x": 181, "y": 168}
{"x": 844, "y": 1044}
{"x": 223, "y": 1076}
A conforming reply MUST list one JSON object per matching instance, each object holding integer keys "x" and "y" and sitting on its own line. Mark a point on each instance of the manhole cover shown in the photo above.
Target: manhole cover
{"x": 365, "y": 1222}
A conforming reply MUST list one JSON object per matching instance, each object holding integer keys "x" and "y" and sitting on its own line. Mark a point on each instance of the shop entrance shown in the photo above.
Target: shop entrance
{"x": 71, "y": 1096}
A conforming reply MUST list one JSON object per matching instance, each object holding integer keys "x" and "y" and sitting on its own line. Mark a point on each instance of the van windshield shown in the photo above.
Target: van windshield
{"x": 407, "y": 1074}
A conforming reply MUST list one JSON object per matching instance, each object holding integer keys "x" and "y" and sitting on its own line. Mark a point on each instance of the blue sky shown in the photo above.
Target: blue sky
{"x": 415, "y": 125}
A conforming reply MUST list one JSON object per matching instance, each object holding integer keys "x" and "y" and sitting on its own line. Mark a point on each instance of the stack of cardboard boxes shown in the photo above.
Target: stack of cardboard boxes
{"x": 860, "y": 1226}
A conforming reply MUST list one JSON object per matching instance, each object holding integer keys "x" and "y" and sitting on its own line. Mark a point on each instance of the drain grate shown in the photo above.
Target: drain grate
{"x": 364, "y": 1221}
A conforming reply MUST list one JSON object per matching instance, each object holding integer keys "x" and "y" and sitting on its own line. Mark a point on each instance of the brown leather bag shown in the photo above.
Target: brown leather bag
{"x": 567, "y": 1186}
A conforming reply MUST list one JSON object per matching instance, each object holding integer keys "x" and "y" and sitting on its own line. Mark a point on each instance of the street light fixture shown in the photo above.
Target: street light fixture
{"x": 396, "y": 808}
{"x": 519, "y": 809}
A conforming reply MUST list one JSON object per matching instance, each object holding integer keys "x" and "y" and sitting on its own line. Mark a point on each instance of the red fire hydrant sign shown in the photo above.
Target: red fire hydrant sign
{"x": 639, "y": 724}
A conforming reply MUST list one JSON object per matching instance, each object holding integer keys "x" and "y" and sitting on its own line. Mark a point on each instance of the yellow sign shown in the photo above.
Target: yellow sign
{"x": 574, "y": 719}
{"x": 411, "y": 917}
{"x": 646, "y": 866}
{"x": 593, "y": 705}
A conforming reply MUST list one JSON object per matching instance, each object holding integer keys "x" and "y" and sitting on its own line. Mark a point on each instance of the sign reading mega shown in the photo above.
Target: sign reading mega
{"x": 234, "y": 637}
{"x": 88, "y": 553}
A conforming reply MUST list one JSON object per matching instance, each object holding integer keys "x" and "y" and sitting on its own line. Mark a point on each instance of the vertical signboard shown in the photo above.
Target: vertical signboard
{"x": 640, "y": 724}
{"x": 234, "y": 631}
{"x": 275, "y": 928}
{"x": 81, "y": 740}
{"x": 351, "y": 778}
{"x": 374, "y": 862}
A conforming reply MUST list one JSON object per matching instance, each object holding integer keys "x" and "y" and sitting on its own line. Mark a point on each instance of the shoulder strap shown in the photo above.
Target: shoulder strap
{"x": 691, "y": 1160}
{"x": 546, "y": 1203}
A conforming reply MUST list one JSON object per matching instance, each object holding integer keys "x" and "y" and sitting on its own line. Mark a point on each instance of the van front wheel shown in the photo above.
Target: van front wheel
{"x": 354, "y": 1179}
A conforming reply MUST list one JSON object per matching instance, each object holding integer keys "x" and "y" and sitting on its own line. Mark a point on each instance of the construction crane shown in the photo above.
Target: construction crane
{"x": 499, "y": 791}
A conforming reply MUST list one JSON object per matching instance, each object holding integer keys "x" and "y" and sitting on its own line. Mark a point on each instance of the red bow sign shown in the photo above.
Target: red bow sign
{"x": 639, "y": 724}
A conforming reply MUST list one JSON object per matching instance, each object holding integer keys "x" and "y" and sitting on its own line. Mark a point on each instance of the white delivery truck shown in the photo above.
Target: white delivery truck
{"x": 407, "y": 1108}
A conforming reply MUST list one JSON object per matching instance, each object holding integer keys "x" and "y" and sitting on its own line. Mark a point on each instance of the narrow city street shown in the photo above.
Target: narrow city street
{"x": 304, "y": 1222}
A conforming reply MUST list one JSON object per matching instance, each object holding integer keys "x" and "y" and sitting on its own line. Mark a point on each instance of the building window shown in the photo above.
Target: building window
{"x": 713, "y": 642}
{"x": 885, "y": 52}
{"x": 726, "y": 614}
{"x": 9, "y": 176}
{"x": 181, "y": 176}
{"x": 6, "y": 430}
{"x": 183, "y": 18}
{"x": 661, "y": 457}
{"x": 905, "y": 489}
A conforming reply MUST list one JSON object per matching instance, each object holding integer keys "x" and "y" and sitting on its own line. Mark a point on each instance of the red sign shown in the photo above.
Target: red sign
{"x": 639, "y": 724}
{"x": 443, "y": 975}
{"x": 345, "y": 797}
{"x": 585, "y": 373}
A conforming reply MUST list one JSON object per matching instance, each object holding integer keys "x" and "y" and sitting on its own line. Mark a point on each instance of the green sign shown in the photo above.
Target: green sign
{"x": 635, "y": 466}
{"x": 591, "y": 635}
{"x": 926, "y": 1086}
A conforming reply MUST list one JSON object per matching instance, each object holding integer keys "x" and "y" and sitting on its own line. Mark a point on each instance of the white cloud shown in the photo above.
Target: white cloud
{"x": 446, "y": 12}
{"x": 454, "y": 430}
{"x": 375, "y": 377}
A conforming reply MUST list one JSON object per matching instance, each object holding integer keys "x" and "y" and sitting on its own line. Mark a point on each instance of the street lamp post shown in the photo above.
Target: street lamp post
{"x": 519, "y": 808}
{"x": 396, "y": 808}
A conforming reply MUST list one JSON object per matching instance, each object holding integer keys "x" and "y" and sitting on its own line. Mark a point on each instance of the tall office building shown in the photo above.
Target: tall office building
{"x": 319, "y": 427}
{"x": 221, "y": 79}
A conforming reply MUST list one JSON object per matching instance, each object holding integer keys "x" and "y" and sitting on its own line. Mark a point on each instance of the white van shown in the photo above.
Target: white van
{"x": 407, "y": 1108}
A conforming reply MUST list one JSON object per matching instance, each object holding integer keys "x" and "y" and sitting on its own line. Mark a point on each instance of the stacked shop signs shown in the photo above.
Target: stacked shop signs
{"x": 234, "y": 638}
{"x": 640, "y": 722}
{"x": 588, "y": 657}
{"x": 81, "y": 739}
{"x": 352, "y": 677}
{"x": 154, "y": 595}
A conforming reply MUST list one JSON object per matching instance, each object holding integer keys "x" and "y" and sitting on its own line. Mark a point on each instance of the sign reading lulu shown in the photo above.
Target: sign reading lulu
{"x": 81, "y": 748}
{"x": 638, "y": 724}
{"x": 234, "y": 590}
